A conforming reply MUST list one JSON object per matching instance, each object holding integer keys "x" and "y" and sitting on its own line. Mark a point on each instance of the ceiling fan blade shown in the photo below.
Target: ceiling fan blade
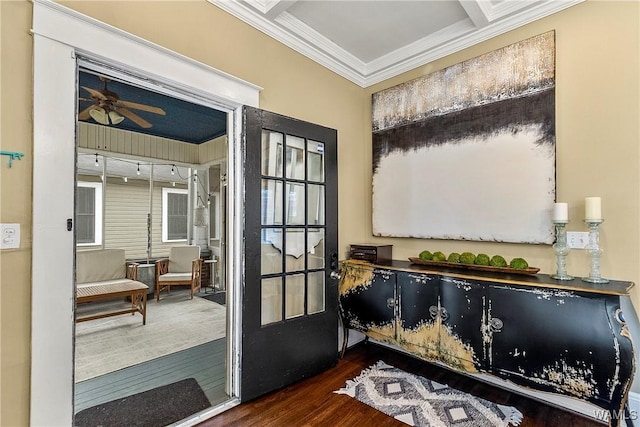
{"x": 84, "y": 114}
{"x": 134, "y": 117}
{"x": 142, "y": 107}
{"x": 95, "y": 93}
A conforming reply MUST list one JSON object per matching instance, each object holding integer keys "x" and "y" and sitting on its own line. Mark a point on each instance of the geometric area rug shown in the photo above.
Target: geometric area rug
{"x": 418, "y": 401}
{"x": 160, "y": 406}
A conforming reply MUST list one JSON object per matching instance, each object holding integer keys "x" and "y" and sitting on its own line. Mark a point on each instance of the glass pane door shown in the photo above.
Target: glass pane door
{"x": 292, "y": 227}
{"x": 289, "y": 298}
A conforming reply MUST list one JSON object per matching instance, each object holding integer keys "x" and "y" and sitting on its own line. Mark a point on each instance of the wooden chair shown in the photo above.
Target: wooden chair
{"x": 182, "y": 268}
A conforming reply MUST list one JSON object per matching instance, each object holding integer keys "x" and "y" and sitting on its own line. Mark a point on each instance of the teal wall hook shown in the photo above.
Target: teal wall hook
{"x": 12, "y": 155}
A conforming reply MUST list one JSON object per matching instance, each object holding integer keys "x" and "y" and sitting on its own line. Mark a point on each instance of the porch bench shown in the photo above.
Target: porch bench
{"x": 104, "y": 274}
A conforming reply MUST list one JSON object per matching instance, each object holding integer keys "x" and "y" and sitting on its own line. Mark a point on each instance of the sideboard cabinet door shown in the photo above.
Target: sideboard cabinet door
{"x": 419, "y": 314}
{"x": 556, "y": 341}
{"x": 462, "y": 311}
{"x": 367, "y": 298}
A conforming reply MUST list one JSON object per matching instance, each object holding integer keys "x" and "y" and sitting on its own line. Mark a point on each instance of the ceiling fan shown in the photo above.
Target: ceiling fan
{"x": 108, "y": 108}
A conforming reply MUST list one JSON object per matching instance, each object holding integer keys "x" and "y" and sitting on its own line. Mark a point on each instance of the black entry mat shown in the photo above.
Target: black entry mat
{"x": 156, "y": 407}
{"x": 218, "y": 297}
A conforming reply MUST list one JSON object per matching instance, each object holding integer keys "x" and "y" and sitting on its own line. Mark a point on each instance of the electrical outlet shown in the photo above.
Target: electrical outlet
{"x": 9, "y": 236}
{"x": 577, "y": 239}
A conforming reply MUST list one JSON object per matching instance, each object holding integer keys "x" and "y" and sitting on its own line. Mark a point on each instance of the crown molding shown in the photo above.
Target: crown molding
{"x": 329, "y": 59}
{"x": 320, "y": 42}
{"x": 462, "y": 41}
{"x": 486, "y": 21}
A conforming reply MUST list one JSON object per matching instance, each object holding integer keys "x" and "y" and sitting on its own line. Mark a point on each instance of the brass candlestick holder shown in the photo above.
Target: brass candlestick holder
{"x": 562, "y": 250}
{"x": 594, "y": 251}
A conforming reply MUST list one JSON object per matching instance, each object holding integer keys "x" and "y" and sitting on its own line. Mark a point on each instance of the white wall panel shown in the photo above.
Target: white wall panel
{"x": 115, "y": 140}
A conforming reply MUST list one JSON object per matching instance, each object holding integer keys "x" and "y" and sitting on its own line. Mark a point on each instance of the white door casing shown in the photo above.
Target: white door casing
{"x": 61, "y": 36}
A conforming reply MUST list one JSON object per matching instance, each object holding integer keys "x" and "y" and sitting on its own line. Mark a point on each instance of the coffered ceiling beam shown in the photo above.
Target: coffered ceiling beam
{"x": 271, "y": 8}
{"x": 476, "y": 11}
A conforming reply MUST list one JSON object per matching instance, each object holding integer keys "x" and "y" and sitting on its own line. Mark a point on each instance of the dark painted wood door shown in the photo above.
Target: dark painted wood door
{"x": 419, "y": 313}
{"x": 370, "y": 307}
{"x": 462, "y": 308}
{"x": 289, "y": 299}
{"x": 535, "y": 353}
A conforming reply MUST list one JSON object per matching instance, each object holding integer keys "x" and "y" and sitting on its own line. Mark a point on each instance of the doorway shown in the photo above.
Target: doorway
{"x": 63, "y": 40}
{"x": 136, "y": 194}
{"x": 56, "y": 52}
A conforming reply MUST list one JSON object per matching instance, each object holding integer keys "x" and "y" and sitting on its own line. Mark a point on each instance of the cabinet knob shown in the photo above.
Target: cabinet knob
{"x": 334, "y": 275}
{"x": 433, "y": 311}
{"x": 391, "y": 302}
{"x": 496, "y": 324}
{"x": 620, "y": 318}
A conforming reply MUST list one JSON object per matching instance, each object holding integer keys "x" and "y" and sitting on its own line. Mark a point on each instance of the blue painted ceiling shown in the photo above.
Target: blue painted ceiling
{"x": 183, "y": 121}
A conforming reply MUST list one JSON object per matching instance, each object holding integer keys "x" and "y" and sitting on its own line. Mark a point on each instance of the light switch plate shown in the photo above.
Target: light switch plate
{"x": 577, "y": 239}
{"x": 9, "y": 236}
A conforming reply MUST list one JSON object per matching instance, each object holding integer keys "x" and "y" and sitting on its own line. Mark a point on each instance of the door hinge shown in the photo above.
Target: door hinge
{"x": 69, "y": 224}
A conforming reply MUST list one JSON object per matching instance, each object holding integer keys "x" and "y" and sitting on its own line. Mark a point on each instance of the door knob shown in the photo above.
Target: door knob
{"x": 495, "y": 324}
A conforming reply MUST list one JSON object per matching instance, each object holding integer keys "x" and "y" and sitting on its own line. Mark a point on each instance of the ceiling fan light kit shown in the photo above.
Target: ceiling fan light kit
{"x": 108, "y": 109}
{"x": 115, "y": 117}
{"x": 103, "y": 117}
{"x": 99, "y": 115}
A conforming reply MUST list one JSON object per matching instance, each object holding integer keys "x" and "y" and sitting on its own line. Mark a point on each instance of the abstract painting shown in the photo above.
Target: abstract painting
{"x": 468, "y": 152}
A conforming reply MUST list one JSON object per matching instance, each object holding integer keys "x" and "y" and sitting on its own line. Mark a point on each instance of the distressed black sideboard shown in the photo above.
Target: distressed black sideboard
{"x": 565, "y": 337}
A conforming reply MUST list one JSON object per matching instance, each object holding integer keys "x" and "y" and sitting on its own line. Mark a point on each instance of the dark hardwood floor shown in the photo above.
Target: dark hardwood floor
{"x": 312, "y": 402}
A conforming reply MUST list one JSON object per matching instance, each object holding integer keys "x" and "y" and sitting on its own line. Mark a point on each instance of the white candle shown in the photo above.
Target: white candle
{"x": 592, "y": 208}
{"x": 561, "y": 212}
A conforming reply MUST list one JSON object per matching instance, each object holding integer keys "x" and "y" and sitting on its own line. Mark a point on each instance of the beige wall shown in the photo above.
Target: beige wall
{"x": 597, "y": 133}
{"x": 15, "y": 206}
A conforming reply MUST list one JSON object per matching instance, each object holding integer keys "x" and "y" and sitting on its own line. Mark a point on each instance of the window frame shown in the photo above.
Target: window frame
{"x": 214, "y": 216}
{"x": 97, "y": 206}
{"x": 165, "y": 225}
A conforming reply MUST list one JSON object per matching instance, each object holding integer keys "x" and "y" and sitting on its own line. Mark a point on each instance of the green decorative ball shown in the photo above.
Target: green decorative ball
{"x": 519, "y": 264}
{"x": 438, "y": 256}
{"x": 482, "y": 259}
{"x": 498, "y": 261}
{"x": 454, "y": 257}
{"x": 467, "y": 258}
{"x": 426, "y": 255}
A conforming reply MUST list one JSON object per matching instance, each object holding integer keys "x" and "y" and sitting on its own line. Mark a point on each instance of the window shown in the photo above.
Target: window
{"x": 175, "y": 203}
{"x": 89, "y": 213}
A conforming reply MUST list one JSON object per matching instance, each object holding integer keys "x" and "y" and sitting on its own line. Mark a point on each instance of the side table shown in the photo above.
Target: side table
{"x": 212, "y": 274}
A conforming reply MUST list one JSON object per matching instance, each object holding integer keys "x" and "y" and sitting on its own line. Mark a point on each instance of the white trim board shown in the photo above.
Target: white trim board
{"x": 60, "y": 37}
{"x": 88, "y": 38}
